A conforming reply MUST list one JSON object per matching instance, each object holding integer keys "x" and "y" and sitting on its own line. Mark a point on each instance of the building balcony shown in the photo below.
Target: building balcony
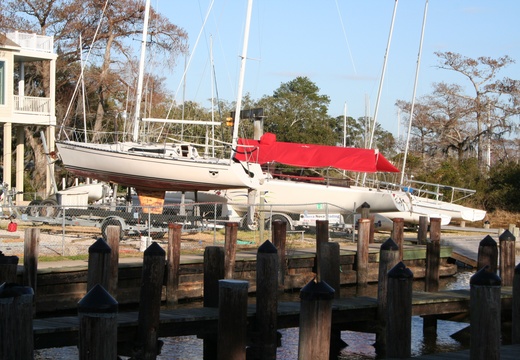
{"x": 32, "y": 42}
{"x": 32, "y": 110}
{"x": 32, "y": 105}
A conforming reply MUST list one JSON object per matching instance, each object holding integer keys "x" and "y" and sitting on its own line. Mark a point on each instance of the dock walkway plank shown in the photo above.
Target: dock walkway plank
{"x": 63, "y": 331}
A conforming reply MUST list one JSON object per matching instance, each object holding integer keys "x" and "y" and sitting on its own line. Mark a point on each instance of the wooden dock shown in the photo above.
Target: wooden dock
{"x": 348, "y": 314}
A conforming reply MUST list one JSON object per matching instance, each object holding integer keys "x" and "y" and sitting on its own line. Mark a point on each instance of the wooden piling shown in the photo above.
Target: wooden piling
{"x": 267, "y": 265}
{"x": 8, "y": 266}
{"x": 16, "y": 322}
{"x": 431, "y": 283}
{"x": 322, "y": 236}
{"x": 422, "y": 233}
{"x": 30, "y": 257}
{"x": 433, "y": 256}
{"x": 279, "y": 234}
{"x": 113, "y": 238}
{"x": 399, "y": 312}
{"x": 315, "y": 321}
{"x": 388, "y": 258}
{"x": 330, "y": 267}
{"x": 398, "y": 235}
{"x": 507, "y": 257}
{"x": 213, "y": 272}
{"x": 485, "y": 315}
{"x": 330, "y": 274}
{"x": 173, "y": 259}
{"x": 365, "y": 214}
{"x": 362, "y": 252}
{"x": 98, "y": 265}
{"x": 230, "y": 244}
{"x": 487, "y": 254}
{"x": 97, "y": 313}
{"x": 150, "y": 302}
{"x": 515, "y": 331}
{"x": 232, "y": 319}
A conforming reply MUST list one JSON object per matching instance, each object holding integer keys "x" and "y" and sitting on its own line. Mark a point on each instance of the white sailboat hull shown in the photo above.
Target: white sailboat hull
{"x": 156, "y": 167}
{"x": 455, "y": 211}
{"x": 413, "y": 217}
{"x": 301, "y": 197}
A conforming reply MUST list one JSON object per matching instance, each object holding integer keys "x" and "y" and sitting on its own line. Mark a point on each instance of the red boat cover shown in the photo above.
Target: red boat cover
{"x": 267, "y": 150}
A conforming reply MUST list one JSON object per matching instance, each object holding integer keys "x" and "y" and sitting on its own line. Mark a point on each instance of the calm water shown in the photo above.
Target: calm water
{"x": 359, "y": 344}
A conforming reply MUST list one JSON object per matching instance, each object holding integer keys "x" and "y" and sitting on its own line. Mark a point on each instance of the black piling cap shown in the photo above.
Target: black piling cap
{"x": 400, "y": 271}
{"x": 9, "y": 290}
{"x": 484, "y": 277}
{"x": 365, "y": 205}
{"x": 97, "y": 300}
{"x": 488, "y": 241}
{"x": 267, "y": 248}
{"x": 8, "y": 260}
{"x": 506, "y": 235}
{"x": 389, "y": 244}
{"x": 100, "y": 247}
{"x": 317, "y": 291}
{"x": 154, "y": 250}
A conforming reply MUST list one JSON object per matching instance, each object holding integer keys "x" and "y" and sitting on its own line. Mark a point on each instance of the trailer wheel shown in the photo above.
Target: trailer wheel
{"x": 49, "y": 208}
{"x": 111, "y": 221}
{"x": 33, "y": 208}
{"x": 280, "y": 217}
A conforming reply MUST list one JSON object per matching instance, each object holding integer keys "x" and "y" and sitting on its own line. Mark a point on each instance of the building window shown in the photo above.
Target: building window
{"x": 2, "y": 82}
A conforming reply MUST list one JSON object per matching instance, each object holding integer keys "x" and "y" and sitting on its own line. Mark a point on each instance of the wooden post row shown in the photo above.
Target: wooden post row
{"x": 485, "y": 315}
{"x": 213, "y": 272}
{"x": 230, "y": 244}
{"x": 507, "y": 257}
{"x": 487, "y": 254}
{"x": 279, "y": 234}
{"x": 98, "y": 265}
{"x": 150, "y": 302}
{"x": 113, "y": 238}
{"x": 388, "y": 258}
{"x": 398, "y": 235}
{"x": 362, "y": 252}
{"x": 267, "y": 270}
{"x": 399, "y": 312}
{"x": 173, "y": 260}
{"x": 16, "y": 322}
{"x": 8, "y": 266}
{"x": 232, "y": 319}
{"x": 30, "y": 257}
{"x": 97, "y": 313}
{"x": 315, "y": 321}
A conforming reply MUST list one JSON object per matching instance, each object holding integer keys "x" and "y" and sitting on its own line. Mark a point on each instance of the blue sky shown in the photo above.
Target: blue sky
{"x": 340, "y": 46}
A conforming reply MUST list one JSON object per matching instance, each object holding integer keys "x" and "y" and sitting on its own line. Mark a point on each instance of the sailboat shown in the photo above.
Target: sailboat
{"x": 290, "y": 194}
{"x": 152, "y": 168}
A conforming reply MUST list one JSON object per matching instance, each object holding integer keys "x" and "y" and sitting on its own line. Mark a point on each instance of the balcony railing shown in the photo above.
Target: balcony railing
{"x": 33, "y": 105}
{"x": 32, "y": 41}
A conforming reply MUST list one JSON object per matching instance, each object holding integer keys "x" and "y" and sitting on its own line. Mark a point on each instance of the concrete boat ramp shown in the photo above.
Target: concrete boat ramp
{"x": 465, "y": 242}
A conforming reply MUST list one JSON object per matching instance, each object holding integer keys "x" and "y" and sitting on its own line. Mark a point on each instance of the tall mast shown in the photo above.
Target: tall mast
{"x": 139, "y": 94}
{"x": 414, "y": 92}
{"x": 241, "y": 78}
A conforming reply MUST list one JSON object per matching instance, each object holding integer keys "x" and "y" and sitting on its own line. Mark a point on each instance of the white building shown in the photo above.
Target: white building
{"x": 18, "y": 110}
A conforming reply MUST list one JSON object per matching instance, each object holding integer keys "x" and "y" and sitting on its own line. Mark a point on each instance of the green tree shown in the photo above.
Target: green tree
{"x": 296, "y": 112}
